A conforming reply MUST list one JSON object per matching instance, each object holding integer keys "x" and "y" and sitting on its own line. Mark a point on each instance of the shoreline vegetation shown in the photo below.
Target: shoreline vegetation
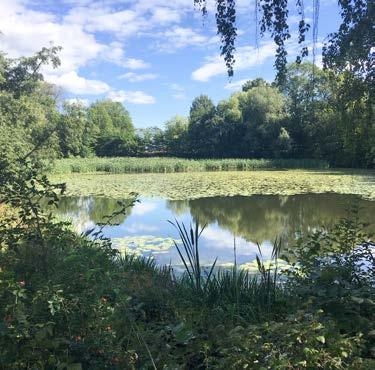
{"x": 174, "y": 164}
{"x": 71, "y": 301}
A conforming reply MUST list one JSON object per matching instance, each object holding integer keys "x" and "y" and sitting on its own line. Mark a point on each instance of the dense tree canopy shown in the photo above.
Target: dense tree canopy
{"x": 314, "y": 113}
{"x": 308, "y": 116}
{"x": 202, "y": 126}
{"x": 175, "y": 134}
{"x": 28, "y": 106}
{"x": 110, "y": 118}
{"x": 73, "y": 129}
{"x": 30, "y": 116}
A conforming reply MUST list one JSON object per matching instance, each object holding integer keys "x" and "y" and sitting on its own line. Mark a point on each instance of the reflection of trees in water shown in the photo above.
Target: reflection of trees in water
{"x": 257, "y": 218}
{"x": 264, "y": 217}
{"x": 90, "y": 209}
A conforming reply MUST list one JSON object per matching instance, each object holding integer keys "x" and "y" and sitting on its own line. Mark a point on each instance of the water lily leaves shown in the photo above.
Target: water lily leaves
{"x": 141, "y": 245}
{"x": 179, "y": 186}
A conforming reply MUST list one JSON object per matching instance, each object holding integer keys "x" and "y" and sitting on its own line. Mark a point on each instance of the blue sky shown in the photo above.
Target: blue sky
{"x": 154, "y": 56}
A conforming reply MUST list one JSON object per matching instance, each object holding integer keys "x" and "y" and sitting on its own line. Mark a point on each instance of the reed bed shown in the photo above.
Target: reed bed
{"x": 169, "y": 165}
{"x": 242, "y": 295}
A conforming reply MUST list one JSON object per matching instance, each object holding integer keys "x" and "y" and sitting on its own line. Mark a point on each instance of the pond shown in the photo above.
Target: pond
{"x": 243, "y": 220}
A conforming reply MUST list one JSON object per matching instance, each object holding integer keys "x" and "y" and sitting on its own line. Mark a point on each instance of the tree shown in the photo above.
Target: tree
{"x": 263, "y": 111}
{"x": 28, "y": 112}
{"x": 116, "y": 146}
{"x": 351, "y": 45}
{"x": 329, "y": 115}
{"x": 231, "y": 128}
{"x": 272, "y": 16}
{"x": 110, "y": 118}
{"x": 151, "y": 139}
{"x": 202, "y": 131}
{"x": 355, "y": 107}
{"x": 110, "y": 124}
{"x": 310, "y": 93}
{"x": 283, "y": 145}
{"x": 254, "y": 83}
{"x": 175, "y": 135}
{"x": 73, "y": 131}
{"x": 22, "y": 75}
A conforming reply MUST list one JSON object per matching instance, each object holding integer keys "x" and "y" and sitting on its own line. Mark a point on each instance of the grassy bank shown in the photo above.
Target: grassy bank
{"x": 165, "y": 164}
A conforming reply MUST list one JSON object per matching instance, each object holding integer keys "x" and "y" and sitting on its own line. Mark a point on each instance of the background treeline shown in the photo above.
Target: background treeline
{"x": 314, "y": 114}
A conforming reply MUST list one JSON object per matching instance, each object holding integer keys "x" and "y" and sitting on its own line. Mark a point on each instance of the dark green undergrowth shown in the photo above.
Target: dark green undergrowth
{"x": 169, "y": 164}
{"x": 71, "y": 301}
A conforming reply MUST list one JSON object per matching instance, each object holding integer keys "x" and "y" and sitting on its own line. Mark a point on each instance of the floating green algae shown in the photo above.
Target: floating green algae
{"x": 180, "y": 186}
{"x": 141, "y": 245}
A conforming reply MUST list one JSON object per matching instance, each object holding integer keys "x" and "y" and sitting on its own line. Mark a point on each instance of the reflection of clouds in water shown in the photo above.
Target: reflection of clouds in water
{"x": 140, "y": 228}
{"x": 79, "y": 217}
{"x": 80, "y": 227}
{"x": 222, "y": 239}
{"x": 141, "y": 209}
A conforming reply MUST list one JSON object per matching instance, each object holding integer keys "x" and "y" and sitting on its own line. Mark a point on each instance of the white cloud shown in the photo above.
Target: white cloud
{"x": 220, "y": 239}
{"x": 96, "y": 21}
{"x": 96, "y": 17}
{"x": 144, "y": 6}
{"x": 295, "y": 19}
{"x": 114, "y": 53}
{"x": 135, "y": 228}
{"x": 25, "y": 31}
{"x": 78, "y": 85}
{"x": 135, "y": 97}
{"x": 141, "y": 209}
{"x": 140, "y": 16}
{"x": 234, "y": 86}
{"x": 134, "y": 77}
{"x": 180, "y": 37}
{"x": 164, "y": 15}
{"x": 178, "y": 91}
{"x": 246, "y": 57}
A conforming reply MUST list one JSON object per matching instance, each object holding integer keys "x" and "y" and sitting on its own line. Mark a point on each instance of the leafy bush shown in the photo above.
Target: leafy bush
{"x": 301, "y": 341}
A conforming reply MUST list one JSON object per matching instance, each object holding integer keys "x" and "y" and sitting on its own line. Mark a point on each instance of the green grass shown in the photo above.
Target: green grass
{"x": 164, "y": 164}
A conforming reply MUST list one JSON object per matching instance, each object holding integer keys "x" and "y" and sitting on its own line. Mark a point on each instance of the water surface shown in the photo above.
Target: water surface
{"x": 243, "y": 220}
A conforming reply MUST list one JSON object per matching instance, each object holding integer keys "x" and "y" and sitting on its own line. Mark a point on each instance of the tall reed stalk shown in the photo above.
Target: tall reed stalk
{"x": 269, "y": 274}
{"x": 189, "y": 254}
{"x": 244, "y": 294}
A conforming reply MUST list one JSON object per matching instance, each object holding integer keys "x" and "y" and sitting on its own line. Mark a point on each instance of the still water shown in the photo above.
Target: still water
{"x": 244, "y": 221}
